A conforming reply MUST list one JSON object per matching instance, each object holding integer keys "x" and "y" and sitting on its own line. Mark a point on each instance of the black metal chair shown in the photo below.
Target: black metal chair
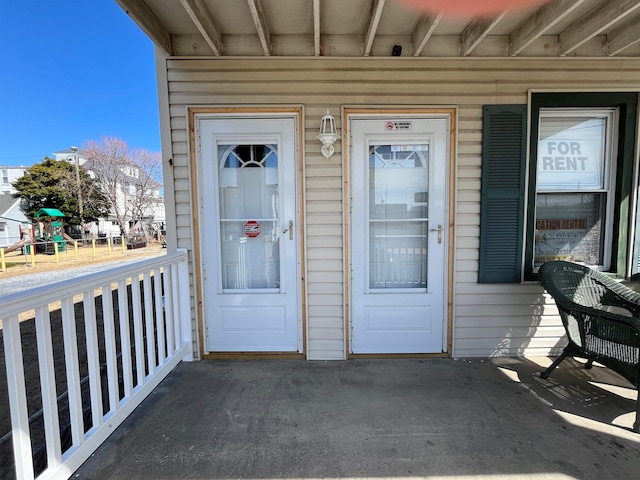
{"x": 595, "y": 331}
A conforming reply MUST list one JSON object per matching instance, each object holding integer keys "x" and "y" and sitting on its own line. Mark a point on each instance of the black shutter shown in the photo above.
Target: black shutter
{"x": 503, "y": 188}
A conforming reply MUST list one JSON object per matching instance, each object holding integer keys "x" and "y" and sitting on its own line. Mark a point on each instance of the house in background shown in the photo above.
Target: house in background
{"x": 468, "y": 151}
{"x": 8, "y": 175}
{"x": 12, "y": 218}
{"x": 131, "y": 185}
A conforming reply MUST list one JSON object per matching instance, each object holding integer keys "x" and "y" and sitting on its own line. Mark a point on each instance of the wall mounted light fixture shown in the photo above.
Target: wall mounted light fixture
{"x": 328, "y": 135}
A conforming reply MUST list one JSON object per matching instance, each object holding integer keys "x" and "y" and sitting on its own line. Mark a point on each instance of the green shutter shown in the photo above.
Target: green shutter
{"x": 503, "y": 187}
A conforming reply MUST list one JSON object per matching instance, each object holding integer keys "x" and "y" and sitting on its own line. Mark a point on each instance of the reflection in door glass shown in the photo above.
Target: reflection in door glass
{"x": 398, "y": 216}
{"x": 249, "y": 216}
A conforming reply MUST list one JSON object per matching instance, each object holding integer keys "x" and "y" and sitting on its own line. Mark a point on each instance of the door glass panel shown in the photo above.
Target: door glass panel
{"x": 249, "y": 216}
{"x": 398, "y": 218}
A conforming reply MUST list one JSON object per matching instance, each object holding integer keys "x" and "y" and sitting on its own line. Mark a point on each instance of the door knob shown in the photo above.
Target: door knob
{"x": 439, "y": 230}
{"x": 289, "y": 229}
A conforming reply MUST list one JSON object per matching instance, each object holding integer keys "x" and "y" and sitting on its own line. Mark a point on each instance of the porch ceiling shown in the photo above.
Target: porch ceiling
{"x": 353, "y": 28}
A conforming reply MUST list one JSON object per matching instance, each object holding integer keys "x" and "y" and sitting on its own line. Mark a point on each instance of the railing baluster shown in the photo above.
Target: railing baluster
{"x": 93, "y": 357}
{"x": 137, "y": 328}
{"x": 168, "y": 308}
{"x": 125, "y": 338}
{"x": 148, "y": 317}
{"x": 17, "y": 397}
{"x": 160, "y": 325}
{"x": 110, "y": 347}
{"x": 73, "y": 371}
{"x": 175, "y": 295}
{"x": 48, "y": 387}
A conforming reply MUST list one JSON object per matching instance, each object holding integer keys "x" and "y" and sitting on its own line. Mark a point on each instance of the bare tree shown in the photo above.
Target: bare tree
{"x": 130, "y": 180}
{"x": 145, "y": 198}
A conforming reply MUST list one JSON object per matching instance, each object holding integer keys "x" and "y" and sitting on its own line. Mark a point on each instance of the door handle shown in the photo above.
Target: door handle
{"x": 289, "y": 229}
{"x": 439, "y": 230}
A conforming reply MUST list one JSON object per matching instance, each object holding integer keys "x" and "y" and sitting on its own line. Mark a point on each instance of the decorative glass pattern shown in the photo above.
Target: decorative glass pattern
{"x": 249, "y": 216}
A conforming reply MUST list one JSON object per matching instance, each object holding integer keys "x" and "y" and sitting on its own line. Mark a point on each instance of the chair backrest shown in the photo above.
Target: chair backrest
{"x": 566, "y": 281}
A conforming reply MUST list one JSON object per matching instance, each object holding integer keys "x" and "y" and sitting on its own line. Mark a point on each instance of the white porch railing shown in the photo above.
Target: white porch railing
{"x": 116, "y": 334}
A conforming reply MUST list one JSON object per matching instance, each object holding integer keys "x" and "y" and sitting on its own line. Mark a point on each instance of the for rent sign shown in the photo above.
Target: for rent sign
{"x": 568, "y": 165}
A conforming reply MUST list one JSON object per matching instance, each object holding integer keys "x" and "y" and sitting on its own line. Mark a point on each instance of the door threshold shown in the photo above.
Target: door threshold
{"x": 355, "y": 356}
{"x": 253, "y": 356}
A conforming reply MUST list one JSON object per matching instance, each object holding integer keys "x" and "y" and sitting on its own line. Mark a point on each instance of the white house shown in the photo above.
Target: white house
{"x": 468, "y": 151}
{"x": 128, "y": 183}
{"x": 12, "y": 218}
{"x": 8, "y": 175}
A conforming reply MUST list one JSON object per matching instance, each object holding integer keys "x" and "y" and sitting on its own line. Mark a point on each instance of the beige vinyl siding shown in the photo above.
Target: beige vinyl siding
{"x": 487, "y": 319}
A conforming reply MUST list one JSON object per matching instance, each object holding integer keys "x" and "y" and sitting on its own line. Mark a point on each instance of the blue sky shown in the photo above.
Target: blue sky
{"x": 73, "y": 71}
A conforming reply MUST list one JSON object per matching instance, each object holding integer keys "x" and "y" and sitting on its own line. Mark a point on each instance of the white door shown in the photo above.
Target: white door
{"x": 248, "y": 218}
{"x": 398, "y": 234}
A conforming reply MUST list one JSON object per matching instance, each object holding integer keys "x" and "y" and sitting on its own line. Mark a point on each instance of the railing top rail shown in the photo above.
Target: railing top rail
{"x": 15, "y": 303}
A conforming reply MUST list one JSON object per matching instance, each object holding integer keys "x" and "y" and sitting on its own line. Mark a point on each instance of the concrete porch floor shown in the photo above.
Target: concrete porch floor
{"x": 417, "y": 418}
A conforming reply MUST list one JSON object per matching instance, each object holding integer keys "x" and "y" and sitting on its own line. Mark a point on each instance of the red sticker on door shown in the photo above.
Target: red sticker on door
{"x": 252, "y": 229}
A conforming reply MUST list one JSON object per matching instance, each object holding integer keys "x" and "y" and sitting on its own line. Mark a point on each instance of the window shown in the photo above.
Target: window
{"x": 574, "y": 188}
{"x": 580, "y": 178}
{"x": 5, "y": 176}
{"x": 603, "y": 127}
{"x": 3, "y": 226}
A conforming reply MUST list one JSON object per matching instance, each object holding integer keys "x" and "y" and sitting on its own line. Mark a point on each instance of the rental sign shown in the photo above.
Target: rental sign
{"x": 568, "y": 165}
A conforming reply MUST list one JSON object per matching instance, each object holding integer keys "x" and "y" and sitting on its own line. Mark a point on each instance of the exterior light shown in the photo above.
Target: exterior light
{"x": 328, "y": 135}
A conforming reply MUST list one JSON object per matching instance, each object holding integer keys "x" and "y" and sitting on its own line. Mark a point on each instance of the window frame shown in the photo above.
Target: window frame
{"x": 608, "y": 170}
{"x": 623, "y": 168}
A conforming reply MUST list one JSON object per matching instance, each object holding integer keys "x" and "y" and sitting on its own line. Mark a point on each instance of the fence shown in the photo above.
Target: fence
{"x": 31, "y": 253}
{"x": 99, "y": 345}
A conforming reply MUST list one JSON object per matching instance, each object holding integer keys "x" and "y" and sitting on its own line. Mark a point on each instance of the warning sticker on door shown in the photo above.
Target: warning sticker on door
{"x": 390, "y": 125}
{"x": 252, "y": 229}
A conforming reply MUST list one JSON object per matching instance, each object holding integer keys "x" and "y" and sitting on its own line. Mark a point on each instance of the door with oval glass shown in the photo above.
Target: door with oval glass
{"x": 248, "y": 216}
{"x": 398, "y": 236}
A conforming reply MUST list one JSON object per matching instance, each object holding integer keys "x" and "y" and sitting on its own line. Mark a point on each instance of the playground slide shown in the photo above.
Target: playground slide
{"x": 69, "y": 239}
{"x": 17, "y": 245}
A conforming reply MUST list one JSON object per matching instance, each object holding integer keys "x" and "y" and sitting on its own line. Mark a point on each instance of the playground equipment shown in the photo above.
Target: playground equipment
{"x": 26, "y": 239}
{"x": 50, "y": 231}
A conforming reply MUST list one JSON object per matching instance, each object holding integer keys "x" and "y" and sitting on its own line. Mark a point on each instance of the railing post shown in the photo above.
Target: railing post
{"x": 184, "y": 304}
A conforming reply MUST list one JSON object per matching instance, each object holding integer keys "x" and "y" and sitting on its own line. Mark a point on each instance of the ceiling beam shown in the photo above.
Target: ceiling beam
{"x": 621, "y": 39}
{"x": 316, "y": 28}
{"x": 142, "y": 15}
{"x": 207, "y": 27}
{"x": 423, "y": 32}
{"x": 540, "y": 22}
{"x": 476, "y": 31}
{"x": 376, "y": 13}
{"x": 595, "y": 22}
{"x": 257, "y": 12}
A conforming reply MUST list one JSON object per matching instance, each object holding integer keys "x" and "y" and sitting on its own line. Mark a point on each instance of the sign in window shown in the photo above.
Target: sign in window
{"x": 574, "y": 184}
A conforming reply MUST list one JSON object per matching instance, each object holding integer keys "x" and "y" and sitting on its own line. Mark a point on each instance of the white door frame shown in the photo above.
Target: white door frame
{"x": 195, "y": 116}
{"x": 450, "y": 114}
